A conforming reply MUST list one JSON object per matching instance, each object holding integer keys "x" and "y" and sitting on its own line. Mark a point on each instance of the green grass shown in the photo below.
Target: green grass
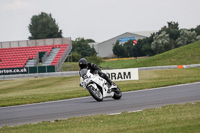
{"x": 34, "y": 90}
{"x": 189, "y": 54}
{"x": 70, "y": 66}
{"x": 167, "y": 119}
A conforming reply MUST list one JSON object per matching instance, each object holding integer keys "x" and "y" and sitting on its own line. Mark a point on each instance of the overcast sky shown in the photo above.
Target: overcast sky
{"x": 97, "y": 19}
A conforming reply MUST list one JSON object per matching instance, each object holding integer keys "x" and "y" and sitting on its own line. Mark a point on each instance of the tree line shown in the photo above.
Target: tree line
{"x": 167, "y": 38}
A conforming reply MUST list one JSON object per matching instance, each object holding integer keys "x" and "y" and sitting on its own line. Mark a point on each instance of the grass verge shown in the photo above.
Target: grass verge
{"x": 35, "y": 90}
{"x": 171, "y": 118}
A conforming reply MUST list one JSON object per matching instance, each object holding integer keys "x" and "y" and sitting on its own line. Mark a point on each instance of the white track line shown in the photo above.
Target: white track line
{"x": 127, "y": 111}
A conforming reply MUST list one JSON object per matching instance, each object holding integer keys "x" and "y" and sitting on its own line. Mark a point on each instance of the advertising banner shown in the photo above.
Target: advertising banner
{"x": 122, "y": 74}
{"x": 126, "y": 39}
{"x": 9, "y": 71}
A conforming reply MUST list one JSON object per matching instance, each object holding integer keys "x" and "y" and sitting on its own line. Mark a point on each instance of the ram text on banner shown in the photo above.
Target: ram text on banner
{"x": 122, "y": 74}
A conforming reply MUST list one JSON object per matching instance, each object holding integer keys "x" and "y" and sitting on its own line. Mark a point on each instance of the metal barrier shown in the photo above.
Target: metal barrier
{"x": 63, "y": 58}
{"x": 41, "y": 69}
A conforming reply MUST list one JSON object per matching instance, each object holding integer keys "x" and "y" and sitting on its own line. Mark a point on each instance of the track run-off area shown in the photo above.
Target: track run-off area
{"x": 130, "y": 101}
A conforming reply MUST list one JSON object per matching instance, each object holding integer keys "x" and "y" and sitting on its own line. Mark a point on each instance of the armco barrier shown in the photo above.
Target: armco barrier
{"x": 168, "y": 67}
{"x": 190, "y": 66}
{"x": 75, "y": 73}
{"x": 157, "y": 68}
{"x": 36, "y": 75}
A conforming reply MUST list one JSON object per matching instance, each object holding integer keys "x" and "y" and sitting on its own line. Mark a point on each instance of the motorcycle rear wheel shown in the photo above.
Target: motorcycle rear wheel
{"x": 117, "y": 93}
{"x": 95, "y": 93}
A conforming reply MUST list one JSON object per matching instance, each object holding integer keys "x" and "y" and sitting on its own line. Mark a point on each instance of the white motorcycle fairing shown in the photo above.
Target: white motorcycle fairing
{"x": 96, "y": 81}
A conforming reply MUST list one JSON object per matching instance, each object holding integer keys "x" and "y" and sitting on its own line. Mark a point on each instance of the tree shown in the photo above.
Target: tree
{"x": 81, "y": 46}
{"x": 90, "y": 40}
{"x": 128, "y": 47}
{"x": 161, "y": 42}
{"x": 76, "y": 56}
{"x": 44, "y": 26}
{"x": 145, "y": 45}
{"x": 118, "y": 50}
{"x": 172, "y": 29}
{"x": 146, "y": 49}
{"x": 197, "y": 30}
{"x": 132, "y": 50}
{"x": 186, "y": 37}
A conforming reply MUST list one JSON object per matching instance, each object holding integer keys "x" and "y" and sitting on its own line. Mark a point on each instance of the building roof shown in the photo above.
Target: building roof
{"x": 144, "y": 33}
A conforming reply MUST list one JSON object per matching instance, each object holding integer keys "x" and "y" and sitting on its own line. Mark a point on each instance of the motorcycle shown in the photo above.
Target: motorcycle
{"x": 98, "y": 87}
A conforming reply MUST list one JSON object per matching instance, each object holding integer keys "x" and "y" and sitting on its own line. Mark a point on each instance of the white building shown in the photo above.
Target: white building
{"x": 104, "y": 49}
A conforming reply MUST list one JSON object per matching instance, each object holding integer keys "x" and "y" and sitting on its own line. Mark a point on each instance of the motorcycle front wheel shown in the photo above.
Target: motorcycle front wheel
{"x": 95, "y": 93}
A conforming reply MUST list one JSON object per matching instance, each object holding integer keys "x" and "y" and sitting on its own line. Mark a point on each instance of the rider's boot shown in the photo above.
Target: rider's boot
{"x": 111, "y": 84}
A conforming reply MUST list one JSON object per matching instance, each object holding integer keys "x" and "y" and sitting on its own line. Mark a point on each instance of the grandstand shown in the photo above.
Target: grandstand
{"x": 33, "y": 56}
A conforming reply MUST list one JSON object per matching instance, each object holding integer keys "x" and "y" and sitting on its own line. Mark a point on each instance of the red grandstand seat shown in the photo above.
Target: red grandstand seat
{"x": 17, "y": 57}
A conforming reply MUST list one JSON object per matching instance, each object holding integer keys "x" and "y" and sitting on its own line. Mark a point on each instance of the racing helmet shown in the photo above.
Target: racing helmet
{"x": 83, "y": 63}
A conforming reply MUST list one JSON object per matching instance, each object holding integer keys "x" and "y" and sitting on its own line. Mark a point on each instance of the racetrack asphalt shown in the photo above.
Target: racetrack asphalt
{"x": 130, "y": 101}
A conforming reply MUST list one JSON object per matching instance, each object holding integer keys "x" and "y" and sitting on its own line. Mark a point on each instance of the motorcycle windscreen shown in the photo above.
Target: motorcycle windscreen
{"x": 83, "y": 73}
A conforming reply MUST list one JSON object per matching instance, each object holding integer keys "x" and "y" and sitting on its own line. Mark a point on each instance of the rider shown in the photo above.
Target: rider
{"x": 94, "y": 69}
